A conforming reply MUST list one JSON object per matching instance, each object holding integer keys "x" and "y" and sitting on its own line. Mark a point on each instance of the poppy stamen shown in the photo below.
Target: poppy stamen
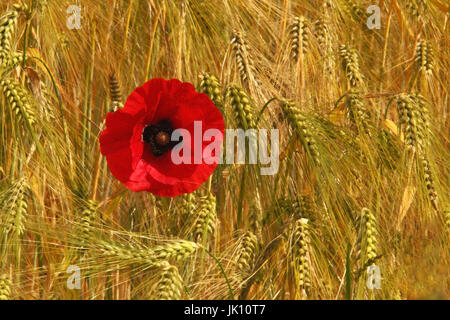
{"x": 157, "y": 136}
{"x": 162, "y": 138}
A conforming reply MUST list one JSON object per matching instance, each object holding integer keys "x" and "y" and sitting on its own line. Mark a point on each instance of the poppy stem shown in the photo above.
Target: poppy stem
{"x": 263, "y": 109}
{"x": 222, "y": 271}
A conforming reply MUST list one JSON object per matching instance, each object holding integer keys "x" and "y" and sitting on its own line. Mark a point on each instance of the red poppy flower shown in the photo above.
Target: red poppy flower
{"x": 137, "y": 139}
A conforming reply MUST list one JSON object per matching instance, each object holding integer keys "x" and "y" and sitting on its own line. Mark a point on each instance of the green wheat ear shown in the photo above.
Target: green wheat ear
{"x": 242, "y": 108}
{"x": 210, "y": 85}
{"x": 302, "y": 127}
{"x": 429, "y": 181}
{"x": 19, "y": 100}
{"x": 247, "y": 253}
{"x": 117, "y": 253}
{"x": 424, "y": 57}
{"x": 368, "y": 242}
{"x": 170, "y": 284}
{"x": 15, "y": 208}
{"x": 357, "y": 111}
{"x": 206, "y": 218}
{"x": 7, "y": 25}
{"x": 88, "y": 216}
{"x": 414, "y": 121}
{"x": 5, "y": 287}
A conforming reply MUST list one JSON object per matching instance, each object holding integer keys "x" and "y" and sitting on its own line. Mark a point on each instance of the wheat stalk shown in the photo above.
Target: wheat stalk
{"x": 447, "y": 220}
{"x": 256, "y": 217}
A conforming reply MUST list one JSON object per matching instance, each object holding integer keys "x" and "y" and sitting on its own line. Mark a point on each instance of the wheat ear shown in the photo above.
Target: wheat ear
{"x": 151, "y": 258}
{"x": 299, "y": 123}
{"x": 242, "y": 108}
{"x": 424, "y": 57}
{"x": 247, "y": 252}
{"x": 206, "y": 218}
{"x": 88, "y": 216}
{"x": 7, "y": 25}
{"x": 16, "y": 207}
{"x": 210, "y": 85}
{"x": 299, "y": 38}
{"x": 357, "y": 112}
{"x": 5, "y": 287}
{"x": 350, "y": 65}
{"x": 170, "y": 284}
{"x": 19, "y": 100}
{"x": 368, "y": 244}
{"x": 243, "y": 58}
{"x": 301, "y": 255}
{"x": 115, "y": 93}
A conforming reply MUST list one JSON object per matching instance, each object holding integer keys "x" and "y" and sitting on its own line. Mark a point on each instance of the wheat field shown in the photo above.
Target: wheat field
{"x": 363, "y": 181}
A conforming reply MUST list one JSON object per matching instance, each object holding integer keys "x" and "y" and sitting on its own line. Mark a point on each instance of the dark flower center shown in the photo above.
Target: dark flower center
{"x": 157, "y": 136}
